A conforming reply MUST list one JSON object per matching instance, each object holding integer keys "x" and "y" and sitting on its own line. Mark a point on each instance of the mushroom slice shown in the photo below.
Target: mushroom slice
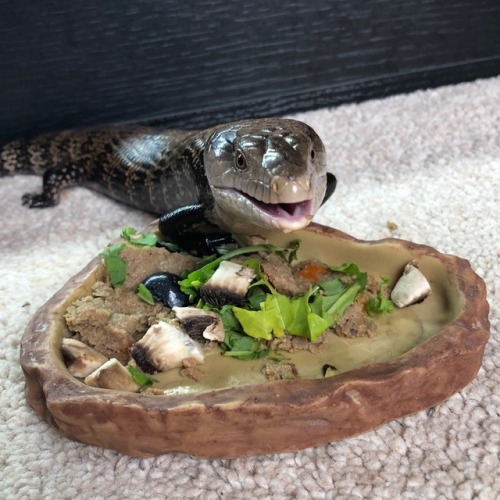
{"x": 228, "y": 285}
{"x": 200, "y": 324}
{"x": 165, "y": 346}
{"x": 113, "y": 375}
{"x": 80, "y": 359}
{"x": 412, "y": 287}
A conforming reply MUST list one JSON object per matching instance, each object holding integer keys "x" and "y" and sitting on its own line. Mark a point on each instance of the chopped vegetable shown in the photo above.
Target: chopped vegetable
{"x": 80, "y": 359}
{"x": 191, "y": 284}
{"x": 329, "y": 371}
{"x": 307, "y": 315}
{"x": 236, "y": 344}
{"x": 228, "y": 284}
{"x": 290, "y": 253}
{"x": 164, "y": 346}
{"x": 313, "y": 272}
{"x": 115, "y": 265}
{"x": 200, "y": 323}
{"x": 379, "y": 304}
{"x": 332, "y": 308}
{"x": 412, "y": 286}
{"x": 170, "y": 245}
{"x": 243, "y": 347}
{"x": 140, "y": 239}
{"x": 351, "y": 269}
{"x": 140, "y": 378}
{"x": 112, "y": 375}
{"x": 144, "y": 294}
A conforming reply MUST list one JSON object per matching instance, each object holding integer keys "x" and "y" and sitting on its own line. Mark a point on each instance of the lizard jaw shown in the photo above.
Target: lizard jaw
{"x": 248, "y": 212}
{"x": 287, "y": 211}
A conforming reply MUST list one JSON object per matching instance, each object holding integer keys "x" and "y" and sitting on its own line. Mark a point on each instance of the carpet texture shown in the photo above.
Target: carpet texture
{"x": 427, "y": 161}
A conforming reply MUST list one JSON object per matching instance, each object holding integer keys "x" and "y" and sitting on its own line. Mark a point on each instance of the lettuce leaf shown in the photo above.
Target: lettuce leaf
{"x": 115, "y": 265}
{"x": 307, "y": 315}
{"x": 279, "y": 314}
{"x": 140, "y": 378}
{"x": 144, "y": 294}
{"x": 236, "y": 343}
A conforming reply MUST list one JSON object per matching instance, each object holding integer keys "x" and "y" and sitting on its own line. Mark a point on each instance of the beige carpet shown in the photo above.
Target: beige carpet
{"x": 428, "y": 161}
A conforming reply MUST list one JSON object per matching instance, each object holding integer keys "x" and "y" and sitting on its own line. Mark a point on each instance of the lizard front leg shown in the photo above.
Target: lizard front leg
{"x": 179, "y": 226}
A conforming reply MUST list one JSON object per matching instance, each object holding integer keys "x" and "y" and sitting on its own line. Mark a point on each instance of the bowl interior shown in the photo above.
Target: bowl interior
{"x": 397, "y": 333}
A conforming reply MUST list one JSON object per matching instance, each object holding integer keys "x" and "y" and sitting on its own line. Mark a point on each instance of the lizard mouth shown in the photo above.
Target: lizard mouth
{"x": 283, "y": 216}
{"x": 289, "y": 211}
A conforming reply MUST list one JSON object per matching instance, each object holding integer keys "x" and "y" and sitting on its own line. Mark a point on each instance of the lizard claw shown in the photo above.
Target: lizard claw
{"x": 33, "y": 200}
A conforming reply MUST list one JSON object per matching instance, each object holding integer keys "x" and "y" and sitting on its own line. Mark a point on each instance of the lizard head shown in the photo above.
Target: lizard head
{"x": 267, "y": 174}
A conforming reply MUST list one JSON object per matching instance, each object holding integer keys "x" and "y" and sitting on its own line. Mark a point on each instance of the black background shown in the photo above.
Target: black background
{"x": 71, "y": 64}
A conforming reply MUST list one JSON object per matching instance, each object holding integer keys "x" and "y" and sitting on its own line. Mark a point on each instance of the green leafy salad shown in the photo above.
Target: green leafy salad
{"x": 265, "y": 313}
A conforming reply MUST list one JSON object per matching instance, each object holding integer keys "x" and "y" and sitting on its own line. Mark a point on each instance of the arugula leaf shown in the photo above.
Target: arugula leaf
{"x": 243, "y": 347}
{"x": 379, "y": 304}
{"x": 292, "y": 249}
{"x": 140, "y": 378}
{"x": 255, "y": 296}
{"x": 115, "y": 265}
{"x": 351, "y": 269}
{"x": 144, "y": 294}
{"x": 333, "y": 288}
{"x": 139, "y": 239}
{"x": 229, "y": 321}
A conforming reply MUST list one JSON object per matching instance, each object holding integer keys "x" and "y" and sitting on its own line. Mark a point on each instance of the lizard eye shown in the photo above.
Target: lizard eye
{"x": 240, "y": 161}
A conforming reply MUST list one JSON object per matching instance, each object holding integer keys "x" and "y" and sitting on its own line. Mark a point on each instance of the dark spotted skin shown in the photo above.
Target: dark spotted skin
{"x": 146, "y": 168}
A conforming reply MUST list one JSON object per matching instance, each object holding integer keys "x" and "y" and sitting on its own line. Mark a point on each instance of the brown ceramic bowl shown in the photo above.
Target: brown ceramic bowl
{"x": 269, "y": 417}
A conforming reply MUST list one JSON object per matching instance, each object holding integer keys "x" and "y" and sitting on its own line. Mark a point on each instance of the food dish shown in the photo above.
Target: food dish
{"x": 268, "y": 417}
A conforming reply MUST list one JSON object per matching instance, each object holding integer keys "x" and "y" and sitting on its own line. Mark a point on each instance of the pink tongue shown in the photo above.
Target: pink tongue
{"x": 288, "y": 210}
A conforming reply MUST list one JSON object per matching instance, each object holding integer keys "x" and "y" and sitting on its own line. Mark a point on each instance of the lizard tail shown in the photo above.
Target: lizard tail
{"x": 31, "y": 156}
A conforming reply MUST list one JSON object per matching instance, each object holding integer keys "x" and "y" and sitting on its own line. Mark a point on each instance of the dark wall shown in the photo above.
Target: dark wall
{"x": 77, "y": 63}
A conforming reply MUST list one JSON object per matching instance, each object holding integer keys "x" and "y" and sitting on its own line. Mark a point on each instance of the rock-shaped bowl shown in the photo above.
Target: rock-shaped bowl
{"x": 262, "y": 418}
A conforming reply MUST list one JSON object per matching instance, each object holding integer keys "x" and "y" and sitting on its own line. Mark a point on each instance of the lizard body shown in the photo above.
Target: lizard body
{"x": 268, "y": 173}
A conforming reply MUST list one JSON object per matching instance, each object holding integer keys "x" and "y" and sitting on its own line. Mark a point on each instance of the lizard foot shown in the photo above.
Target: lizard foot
{"x": 35, "y": 200}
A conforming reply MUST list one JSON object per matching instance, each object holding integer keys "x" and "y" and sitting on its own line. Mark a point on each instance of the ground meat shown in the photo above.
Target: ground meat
{"x": 111, "y": 320}
{"x": 143, "y": 262}
{"x": 282, "y": 277}
{"x": 280, "y": 371}
{"x": 355, "y": 323}
{"x": 190, "y": 370}
{"x": 289, "y": 343}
